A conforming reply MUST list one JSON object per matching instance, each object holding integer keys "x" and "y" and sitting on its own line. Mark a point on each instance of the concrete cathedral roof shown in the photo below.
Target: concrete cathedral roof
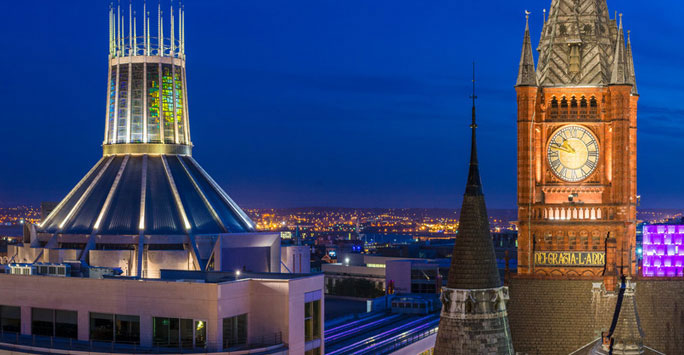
{"x": 150, "y": 195}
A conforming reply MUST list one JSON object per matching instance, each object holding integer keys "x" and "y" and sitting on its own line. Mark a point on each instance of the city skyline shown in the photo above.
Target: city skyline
{"x": 368, "y": 110}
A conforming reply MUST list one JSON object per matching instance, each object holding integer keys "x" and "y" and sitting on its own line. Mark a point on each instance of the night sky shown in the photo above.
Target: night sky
{"x": 351, "y": 103}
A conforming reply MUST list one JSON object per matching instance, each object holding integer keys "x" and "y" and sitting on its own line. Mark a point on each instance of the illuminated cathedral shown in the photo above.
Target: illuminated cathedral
{"x": 147, "y": 204}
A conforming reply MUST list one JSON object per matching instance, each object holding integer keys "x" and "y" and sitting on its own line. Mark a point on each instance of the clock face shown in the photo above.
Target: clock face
{"x": 573, "y": 153}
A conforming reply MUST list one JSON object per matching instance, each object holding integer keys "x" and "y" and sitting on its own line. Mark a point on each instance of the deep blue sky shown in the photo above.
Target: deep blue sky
{"x": 321, "y": 102}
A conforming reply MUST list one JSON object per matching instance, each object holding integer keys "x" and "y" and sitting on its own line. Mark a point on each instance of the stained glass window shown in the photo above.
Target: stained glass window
{"x": 112, "y": 105}
{"x": 167, "y": 104}
{"x": 137, "y": 103}
{"x": 178, "y": 82}
{"x": 123, "y": 104}
{"x": 153, "y": 103}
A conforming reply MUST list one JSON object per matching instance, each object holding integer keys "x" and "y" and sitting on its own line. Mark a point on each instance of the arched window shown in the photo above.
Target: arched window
{"x": 564, "y": 108}
{"x": 573, "y": 108}
{"x": 583, "y": 111}
{"x": 553, "y": 110}
{"x": 593, "y": 107}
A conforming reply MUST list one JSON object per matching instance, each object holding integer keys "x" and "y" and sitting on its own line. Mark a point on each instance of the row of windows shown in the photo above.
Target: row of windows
{"x": 573, "y": 102}
{"x": 124, "y": 329}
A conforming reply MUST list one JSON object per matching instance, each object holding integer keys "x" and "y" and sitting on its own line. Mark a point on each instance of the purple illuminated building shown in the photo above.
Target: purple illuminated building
{"x": 663, "y": 250}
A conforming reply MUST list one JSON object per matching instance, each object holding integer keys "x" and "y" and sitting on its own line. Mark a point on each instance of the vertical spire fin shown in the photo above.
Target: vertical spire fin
{"x": 160, "y": 31}
{"x": 526, "y": 72}
{"x": 130, "y": 27}
{"x": 173, "y": 32}
{"x": 619, "y": 75}
{"x": 630, "y": 65}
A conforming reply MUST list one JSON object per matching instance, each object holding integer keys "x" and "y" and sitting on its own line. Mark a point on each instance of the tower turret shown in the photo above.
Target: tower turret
{"x": 147, "y": 96}
{"x": 474, "y": 319}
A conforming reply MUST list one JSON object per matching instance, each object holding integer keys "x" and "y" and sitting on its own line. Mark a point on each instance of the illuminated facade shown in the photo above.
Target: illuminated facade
{"x": 147, "y": 204}
{"x": 147, "y": 254}
{"x": 577, "y": 122}
{"x": 663, "y": 251}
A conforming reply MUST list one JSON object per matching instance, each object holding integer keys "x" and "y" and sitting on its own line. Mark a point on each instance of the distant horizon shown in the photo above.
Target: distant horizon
{"x": 371, "y": 108}
{"x": 5, "y": 205}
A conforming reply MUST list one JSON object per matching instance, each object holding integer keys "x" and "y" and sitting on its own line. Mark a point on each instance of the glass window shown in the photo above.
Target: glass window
{"x": 42, "y": 322}
{"x": 186, "y": 333}
{"x": 312, "y": 320}
{"x": 175, "y": 332}
{"x": 167, "y": 104}
{"x": 178, "y": 92}
{"x": 122, "y": 118}
{"x": 153, "y": 103}
{"x": 127, "y": 329}
{"x": 10, "y": 319}
{"x": 101, "y": 327}
{"x": 137, "y": 102}
{"x": 50, "y": 322}
{"x": 66, "y": 324}
{"x": 235, "y": 331}
{"x": 200, "y": 334}
{"x": 117, "y": 328}
{"x": 112, "y": 105}
{"x": 316, "y": 351}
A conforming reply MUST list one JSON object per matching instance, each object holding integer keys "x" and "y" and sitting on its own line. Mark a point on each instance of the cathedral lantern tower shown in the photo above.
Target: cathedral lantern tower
{"x": 147, "y": 199}
{"x": 577, "y": 146}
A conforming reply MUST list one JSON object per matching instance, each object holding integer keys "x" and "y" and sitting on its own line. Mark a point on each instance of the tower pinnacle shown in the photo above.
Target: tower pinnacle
{"x": 619, "y": 75}
{"x": 526, "y": 73}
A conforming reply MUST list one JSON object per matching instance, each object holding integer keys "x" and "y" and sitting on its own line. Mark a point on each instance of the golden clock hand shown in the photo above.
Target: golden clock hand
{"x": 560, "y": 148}
{"x": 569, "y": 148}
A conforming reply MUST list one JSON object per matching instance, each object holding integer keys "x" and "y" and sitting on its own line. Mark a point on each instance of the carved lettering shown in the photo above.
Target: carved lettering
{"x": 570, "y": 259}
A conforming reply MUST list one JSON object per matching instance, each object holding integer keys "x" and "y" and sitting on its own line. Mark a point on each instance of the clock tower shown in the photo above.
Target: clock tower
{"x": 577, "y": 119}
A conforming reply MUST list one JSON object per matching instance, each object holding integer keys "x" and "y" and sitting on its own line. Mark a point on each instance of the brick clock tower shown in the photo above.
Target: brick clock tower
{"x": 577, "y": 121}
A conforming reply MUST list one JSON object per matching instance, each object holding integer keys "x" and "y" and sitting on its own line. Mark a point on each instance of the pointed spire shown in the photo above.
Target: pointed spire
{"x": 130, "y": 27}
{"x": 111, "y": 30}
{"x": 173, "y": 32}
{"x": 474, "y": 184}
{"x": 160, "y": 32}
{"x": 526, "y": 73}
{"x": 630, "y": 65}
{"x": 145, "y": 28}
{"x": 473, "y": 265}
{"x": 619, "y": 74}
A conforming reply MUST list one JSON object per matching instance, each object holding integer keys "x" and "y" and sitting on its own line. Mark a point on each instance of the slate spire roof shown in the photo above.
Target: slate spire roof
{"x": 526, "y": 74}
{"x": 473, "y": 264}
{"x": 578, "y": 44}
